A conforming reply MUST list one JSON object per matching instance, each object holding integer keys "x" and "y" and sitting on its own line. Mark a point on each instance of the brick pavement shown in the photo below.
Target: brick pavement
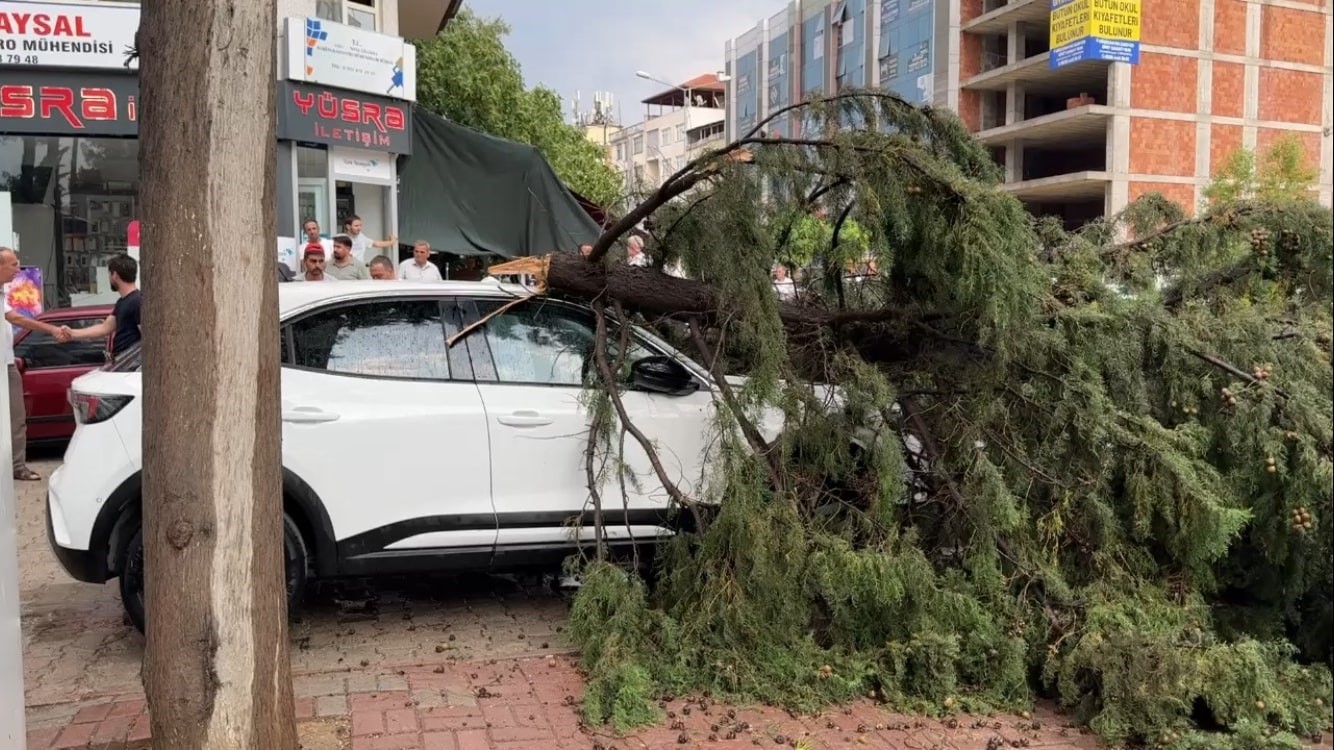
{"x": 532, "y": 703}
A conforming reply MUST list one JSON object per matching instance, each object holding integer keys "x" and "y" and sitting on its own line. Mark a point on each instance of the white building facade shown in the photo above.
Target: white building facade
{"x": 679, "y": 123}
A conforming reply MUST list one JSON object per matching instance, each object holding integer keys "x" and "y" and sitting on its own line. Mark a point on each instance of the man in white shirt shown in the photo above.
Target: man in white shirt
{"x": 634, "y": 251}
{"x": 419, "y": 267}
{"x": 18, "y": 415}
{"x": 311, "y": 228}
{"x": 363, "y": 247}
{"x": 785, "y": 287}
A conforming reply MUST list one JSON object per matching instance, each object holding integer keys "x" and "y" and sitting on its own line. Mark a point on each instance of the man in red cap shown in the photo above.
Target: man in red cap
{"x": 312, "y": 264}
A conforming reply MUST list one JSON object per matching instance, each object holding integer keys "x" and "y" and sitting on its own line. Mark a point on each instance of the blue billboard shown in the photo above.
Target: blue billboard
{"x": 747, "y": 76}
{"x": 779, "y": 60}
{"x": 905, "y": 56}
{"x": 851, "y": 71}
{"x": 813, "y": 68}
{"x": 1106, "y": 30}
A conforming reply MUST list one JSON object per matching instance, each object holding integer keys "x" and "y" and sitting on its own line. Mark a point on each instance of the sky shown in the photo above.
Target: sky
{"x": 582, "y": 46}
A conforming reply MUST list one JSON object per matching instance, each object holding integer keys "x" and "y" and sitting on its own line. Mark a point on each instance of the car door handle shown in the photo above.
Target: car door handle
{"x": 308, "y": 415}
{"x": 524, "y": 419}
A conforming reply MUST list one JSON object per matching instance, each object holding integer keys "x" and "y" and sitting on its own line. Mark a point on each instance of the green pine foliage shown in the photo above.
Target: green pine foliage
{"x": 1089, "y": 466}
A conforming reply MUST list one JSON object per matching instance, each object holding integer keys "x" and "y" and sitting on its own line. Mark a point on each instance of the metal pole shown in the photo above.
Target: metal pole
{"x": 13, "y": 729}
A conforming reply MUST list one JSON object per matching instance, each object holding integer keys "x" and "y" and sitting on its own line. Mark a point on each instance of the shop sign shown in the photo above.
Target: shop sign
{"x": 57, "y": 35}
{"x": 51, "y": 102}
{"x": 318, "y": 114}
{"x": 356, "y": 165}
{"x": 346, "y": 57}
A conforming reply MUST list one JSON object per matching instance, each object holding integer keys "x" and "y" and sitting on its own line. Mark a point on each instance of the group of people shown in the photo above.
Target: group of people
{"x": 121, "y": 327}
{"x": 343, "y": 257}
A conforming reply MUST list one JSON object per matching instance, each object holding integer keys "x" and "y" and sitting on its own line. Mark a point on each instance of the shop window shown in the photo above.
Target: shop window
{"x": 73, "y": 200}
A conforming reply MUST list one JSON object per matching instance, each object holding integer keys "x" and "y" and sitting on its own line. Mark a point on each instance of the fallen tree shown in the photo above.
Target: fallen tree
{"x": 1103, "y": 464}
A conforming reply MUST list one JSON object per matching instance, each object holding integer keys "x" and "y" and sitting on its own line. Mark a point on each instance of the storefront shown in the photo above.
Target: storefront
{"x": 338, "y": 151}
{"x": 344, "y": 118}
{"x": 69, "y": 105}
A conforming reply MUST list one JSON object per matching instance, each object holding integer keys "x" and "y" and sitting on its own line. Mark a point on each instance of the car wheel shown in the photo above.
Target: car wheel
{"x": 296, "y": 564}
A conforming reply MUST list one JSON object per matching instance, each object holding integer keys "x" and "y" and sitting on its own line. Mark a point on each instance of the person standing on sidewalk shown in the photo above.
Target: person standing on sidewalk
{"x": 345, "y": 266}
{"x": 419, "y": 267}
{"x": 363, "y": 247}
{"x": 18, "y": 413}
{"x": 123, "y": 324}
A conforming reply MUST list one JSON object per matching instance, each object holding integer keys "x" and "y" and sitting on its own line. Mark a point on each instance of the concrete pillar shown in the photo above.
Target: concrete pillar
{"x": 1014, "y": 103}
{"x": 1014, "y": 161}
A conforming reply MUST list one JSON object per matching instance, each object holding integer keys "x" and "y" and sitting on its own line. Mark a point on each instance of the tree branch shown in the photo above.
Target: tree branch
{"x": 748, "y": 428}
{"x": 1232, "y": 369}
{"x": 613, "y": 392}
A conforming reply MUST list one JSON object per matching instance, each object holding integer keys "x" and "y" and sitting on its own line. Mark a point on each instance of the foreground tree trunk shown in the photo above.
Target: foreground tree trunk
{"x": 216, "y": 671}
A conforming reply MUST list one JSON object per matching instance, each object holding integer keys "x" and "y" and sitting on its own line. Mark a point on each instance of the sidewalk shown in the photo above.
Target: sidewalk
{"x": 532, "y": 704}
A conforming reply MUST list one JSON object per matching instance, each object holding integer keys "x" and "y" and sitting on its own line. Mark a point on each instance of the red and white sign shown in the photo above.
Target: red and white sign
{"x": 62, "y": 35}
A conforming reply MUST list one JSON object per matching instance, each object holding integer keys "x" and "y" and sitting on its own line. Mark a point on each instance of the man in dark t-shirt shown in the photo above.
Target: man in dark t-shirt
{"x": 124, "y": 318}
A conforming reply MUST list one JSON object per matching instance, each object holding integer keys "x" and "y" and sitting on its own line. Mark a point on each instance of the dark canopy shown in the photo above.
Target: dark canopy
{"x": 469, "y": 193}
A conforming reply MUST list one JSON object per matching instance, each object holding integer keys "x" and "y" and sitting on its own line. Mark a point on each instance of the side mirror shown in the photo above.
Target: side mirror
{"x": 19, "y": 364}
{"x": 662, "y": 374}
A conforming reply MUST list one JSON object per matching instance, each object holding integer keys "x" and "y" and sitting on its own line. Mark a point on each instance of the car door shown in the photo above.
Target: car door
{"x": 48, "y": 368}
{"x": 531, "y": 362}
{"x": 392, "y": 443}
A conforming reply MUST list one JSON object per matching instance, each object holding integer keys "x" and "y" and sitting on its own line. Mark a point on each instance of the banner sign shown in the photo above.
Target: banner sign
{"x": 57, "y": 102}
{"x": 319, "y": 114}
{"x": 346, "y": 57}
{"x": 96, "y": 35}
{"x": 1107, "y": 30}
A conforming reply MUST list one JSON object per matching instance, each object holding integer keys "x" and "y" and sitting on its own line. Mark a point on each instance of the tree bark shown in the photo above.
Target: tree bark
{"x": 654, "y": 294}
{"x": 216, "y": 670}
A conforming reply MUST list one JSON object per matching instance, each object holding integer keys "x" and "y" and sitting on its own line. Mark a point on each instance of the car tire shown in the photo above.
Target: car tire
{"x": 131, "y": 578}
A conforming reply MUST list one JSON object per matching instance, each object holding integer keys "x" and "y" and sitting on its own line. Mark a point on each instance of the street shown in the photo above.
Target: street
{"x": 424, "y": 664}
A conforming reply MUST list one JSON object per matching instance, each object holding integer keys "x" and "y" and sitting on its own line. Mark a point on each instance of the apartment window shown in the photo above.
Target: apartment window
{"x": 638, "y": 145}
{"x": 363, "y": 14}
{"x": 329, "y": 10}
{"x": 620, "y": 152}
{"x": 680, "y": 133}
{"x": 653, "y": 136}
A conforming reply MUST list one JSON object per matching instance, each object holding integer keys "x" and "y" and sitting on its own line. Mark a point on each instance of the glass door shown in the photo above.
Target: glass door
{"x": 312, "y": 197}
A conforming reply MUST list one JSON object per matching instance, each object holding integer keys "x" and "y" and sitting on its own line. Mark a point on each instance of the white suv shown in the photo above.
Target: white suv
{"x": 403, "y": 454}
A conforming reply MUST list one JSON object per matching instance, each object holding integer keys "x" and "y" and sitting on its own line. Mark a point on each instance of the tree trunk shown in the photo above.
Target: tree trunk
{"x": 654, "y": 294}
{"x": 216, "y": 671}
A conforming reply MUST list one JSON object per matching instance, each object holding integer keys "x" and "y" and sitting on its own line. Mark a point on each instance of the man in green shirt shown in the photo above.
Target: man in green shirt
{"x": 345, "y": 266}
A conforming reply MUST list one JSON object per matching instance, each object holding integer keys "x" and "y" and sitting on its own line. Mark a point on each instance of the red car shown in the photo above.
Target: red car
{"x": 48, "y": 367}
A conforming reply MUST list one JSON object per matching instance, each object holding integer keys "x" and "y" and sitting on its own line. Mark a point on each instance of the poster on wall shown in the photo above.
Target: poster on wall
{"x": 24, "y": 293}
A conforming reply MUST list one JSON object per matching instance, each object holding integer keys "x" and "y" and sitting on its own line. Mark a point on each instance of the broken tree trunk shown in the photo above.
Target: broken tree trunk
{"x": 654, "y": 294}
{"x": 216, "y": 670}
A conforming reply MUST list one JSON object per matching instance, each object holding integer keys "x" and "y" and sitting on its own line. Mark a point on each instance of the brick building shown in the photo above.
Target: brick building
{"x": 1084, "y": 138}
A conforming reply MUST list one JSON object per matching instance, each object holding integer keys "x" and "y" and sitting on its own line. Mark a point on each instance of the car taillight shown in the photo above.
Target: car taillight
{"x": 91, "y": 408}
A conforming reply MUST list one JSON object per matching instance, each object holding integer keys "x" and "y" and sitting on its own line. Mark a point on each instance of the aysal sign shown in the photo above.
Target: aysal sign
{"x": 69, "y": 36}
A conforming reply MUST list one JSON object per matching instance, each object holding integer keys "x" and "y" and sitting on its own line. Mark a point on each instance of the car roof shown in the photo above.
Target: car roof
{"x": 296, "y": 296}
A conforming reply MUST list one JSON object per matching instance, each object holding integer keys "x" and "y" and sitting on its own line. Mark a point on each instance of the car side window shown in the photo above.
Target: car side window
{"x": 545, "y": 343}
{"x": 39, "y": 350}
{"x": 383, "y": 339}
